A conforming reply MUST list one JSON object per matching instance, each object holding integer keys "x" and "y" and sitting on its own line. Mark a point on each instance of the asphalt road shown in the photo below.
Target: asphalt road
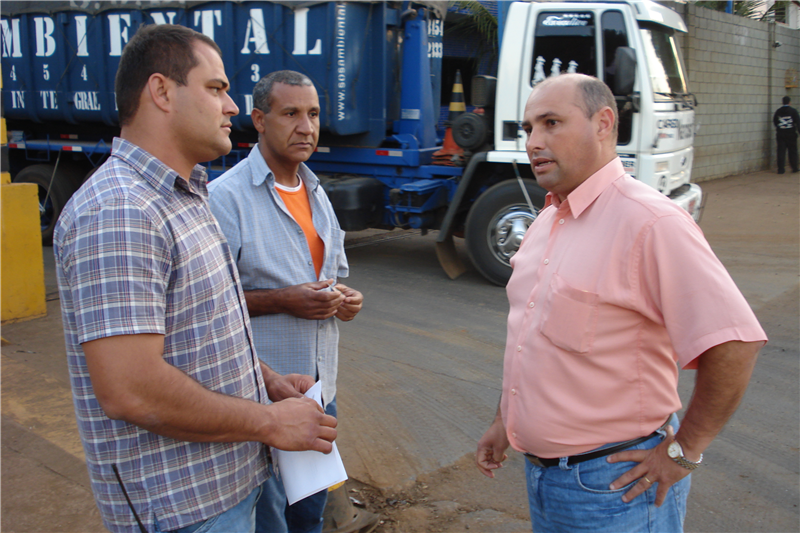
{"x": 420, "y": 376}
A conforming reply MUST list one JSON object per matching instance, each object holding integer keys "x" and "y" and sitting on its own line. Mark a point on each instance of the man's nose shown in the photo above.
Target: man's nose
{"x": 305, "y": 125}
{"x": 230, "y": 107}
{"x": 535, "y": 142}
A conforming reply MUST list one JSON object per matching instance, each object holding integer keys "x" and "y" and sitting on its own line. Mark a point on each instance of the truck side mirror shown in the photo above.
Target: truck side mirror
{"x": 625, "y": 73}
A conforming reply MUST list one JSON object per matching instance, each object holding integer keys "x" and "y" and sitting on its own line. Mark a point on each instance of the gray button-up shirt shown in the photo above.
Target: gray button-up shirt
{"x": 271, "y": 252}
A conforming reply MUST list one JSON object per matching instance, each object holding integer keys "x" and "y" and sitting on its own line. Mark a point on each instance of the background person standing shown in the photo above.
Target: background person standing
{"x": 787, "y": 126}
{"x": 289, "y": 250}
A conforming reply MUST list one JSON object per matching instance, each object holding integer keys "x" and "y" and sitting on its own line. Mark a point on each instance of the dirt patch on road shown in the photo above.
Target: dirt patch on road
{"x": 450, "y": 500}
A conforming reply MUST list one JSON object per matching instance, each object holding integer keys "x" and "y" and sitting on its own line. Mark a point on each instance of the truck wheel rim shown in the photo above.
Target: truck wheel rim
{"x": 507, "y": 229}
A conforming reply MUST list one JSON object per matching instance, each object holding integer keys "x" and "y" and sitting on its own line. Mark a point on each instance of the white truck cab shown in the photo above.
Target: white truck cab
{"x": 629, "y": 45}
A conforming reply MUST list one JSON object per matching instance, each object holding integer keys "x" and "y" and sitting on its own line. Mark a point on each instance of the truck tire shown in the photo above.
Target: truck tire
{"x": 50, "y": 206}
{"x": 496, "y": 224}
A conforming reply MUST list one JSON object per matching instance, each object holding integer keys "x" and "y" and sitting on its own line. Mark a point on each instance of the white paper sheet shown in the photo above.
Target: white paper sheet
{"x": 306, "y": 473}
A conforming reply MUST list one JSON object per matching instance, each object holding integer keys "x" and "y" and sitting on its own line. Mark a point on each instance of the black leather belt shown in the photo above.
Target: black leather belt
{"x": 575, "y": 459}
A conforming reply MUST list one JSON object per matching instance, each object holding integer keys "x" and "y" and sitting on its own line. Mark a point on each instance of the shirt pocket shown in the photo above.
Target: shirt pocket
{"x": 334, "y": 255}
{"x": 570, "y": 316}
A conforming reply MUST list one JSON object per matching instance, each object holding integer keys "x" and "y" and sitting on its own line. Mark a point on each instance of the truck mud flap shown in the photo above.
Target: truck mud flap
{"x": 448, "y": 257}
{"x": 445, "y": 248}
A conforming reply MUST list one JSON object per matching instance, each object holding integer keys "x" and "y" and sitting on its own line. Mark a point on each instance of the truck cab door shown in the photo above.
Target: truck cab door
{"x": 583, "y": 38}
{"x": 620, "y": 72}
{"x": 565, "y": 39}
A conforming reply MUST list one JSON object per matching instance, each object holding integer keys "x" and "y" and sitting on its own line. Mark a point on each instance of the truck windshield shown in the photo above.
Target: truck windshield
{"x": 667, "y": 74}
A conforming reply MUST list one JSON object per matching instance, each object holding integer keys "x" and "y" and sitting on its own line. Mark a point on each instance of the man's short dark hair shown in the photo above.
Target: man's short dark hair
{"x": 262, "y": 92}
{"x": 166, "y": 49}
{"x": 786, "y": 100}
{"x": 596, "y": 96}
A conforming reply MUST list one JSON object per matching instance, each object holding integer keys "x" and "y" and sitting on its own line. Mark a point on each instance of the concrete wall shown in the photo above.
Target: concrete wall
{"x": 738, "y": 77}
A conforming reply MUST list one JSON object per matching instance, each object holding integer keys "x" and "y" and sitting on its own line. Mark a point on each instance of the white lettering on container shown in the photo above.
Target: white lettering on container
{"x": 87, "y": 101}
{"x": 341, "y": 77}
{"x": 255, "y": 27}
{"x": 80, "y": 31}
{"x": 11, "y": 38}
{"x": 301, "y": 35}
{"x": 18, "y": 99}
{"x": 160, "y": 18}
{"x": 49, "y": 100}
{"x": 117, "y": 34}
{"x": 206, "y": 19}
{"x": 45, "y": 44}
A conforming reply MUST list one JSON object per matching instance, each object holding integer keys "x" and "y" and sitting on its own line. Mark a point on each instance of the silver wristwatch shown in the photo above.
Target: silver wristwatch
{"x": 675, "y": 453}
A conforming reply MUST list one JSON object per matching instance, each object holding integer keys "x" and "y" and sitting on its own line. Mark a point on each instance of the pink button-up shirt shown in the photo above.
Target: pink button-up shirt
{"x": 612, "y": 289}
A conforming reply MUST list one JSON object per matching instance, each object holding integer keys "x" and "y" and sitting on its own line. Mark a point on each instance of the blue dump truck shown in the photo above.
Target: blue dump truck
{"x": 377, "y": 67}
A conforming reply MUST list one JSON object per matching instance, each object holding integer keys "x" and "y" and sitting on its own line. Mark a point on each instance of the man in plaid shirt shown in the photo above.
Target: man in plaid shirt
{"x": 171, "y": 400}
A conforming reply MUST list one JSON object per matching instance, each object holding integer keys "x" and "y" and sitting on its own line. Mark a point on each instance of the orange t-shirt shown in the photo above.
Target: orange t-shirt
{"x": 297, "y": 203}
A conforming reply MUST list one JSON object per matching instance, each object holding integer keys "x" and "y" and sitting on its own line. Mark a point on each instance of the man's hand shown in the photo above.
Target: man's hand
{"x": 491, "y": 448}
{"x": 723, "y": 372}
{"x": 655, "y": 467}
{"x": 300, "y": 424}
{"x": 289, "y": 386}
{"x": 352, "y": 303}
{"x": 311, "y": 301}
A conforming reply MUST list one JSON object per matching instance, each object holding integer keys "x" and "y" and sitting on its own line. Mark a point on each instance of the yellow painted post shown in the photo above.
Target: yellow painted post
{"x": 21, "y": 263}
{"x": 5, "y": 177}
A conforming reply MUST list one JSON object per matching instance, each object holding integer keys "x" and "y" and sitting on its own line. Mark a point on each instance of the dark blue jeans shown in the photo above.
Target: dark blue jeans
{"x": 238, "y": 519}
{"x": 275, "y": 515}
{"x": 577, "y": 498}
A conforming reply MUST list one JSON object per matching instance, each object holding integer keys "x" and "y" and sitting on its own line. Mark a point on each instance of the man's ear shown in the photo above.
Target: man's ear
{"x": 605, "y": 122}
{"x": 159, "y": 88}
{"x": 257, "y": 116}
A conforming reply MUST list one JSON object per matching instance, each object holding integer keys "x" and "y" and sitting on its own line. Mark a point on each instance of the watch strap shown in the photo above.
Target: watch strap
{"x": 686, "y": 463}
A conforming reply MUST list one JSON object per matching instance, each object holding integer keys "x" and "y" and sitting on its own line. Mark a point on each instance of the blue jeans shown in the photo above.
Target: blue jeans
{"x": 577, "y": 498}
{"x": 238, "y": 519}
{"x": 275, "y": 515}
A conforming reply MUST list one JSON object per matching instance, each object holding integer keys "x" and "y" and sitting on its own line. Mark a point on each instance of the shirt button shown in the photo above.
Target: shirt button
{"x": 561, "y": 221}
{"x": 546, "y": 261}
{"x": 514, "y": 435}
{"x": 519, "y": 348}
{"x": 513, "y": 391}
{"x": 310, "y": 262}
{"x": 532, "y": 305}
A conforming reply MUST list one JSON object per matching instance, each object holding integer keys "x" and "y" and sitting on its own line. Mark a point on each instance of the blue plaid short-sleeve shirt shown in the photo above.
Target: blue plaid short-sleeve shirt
{"x": 138, "y": 251}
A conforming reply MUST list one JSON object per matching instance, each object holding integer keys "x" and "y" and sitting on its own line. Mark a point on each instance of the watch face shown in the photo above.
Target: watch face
{"x": 674, "y": 450}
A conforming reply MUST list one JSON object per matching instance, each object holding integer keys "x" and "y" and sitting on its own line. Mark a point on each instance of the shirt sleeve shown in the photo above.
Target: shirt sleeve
{"x": 684, "y": 283}
{"x": 226, "y": 212}
{"x": 119, "y": 273}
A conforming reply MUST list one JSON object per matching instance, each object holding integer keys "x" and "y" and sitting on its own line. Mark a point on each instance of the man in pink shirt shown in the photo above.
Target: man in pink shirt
{"x": 613, "y": 287}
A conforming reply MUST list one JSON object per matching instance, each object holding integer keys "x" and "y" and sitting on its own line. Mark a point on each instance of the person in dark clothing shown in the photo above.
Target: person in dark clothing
{"x": 787, "y": 126}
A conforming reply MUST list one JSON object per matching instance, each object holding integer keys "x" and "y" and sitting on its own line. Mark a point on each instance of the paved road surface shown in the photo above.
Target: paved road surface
{"x": 420, "y": 377}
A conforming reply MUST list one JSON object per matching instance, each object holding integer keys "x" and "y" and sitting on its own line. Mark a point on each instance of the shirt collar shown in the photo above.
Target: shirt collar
{"x": 262, "y": 173}
{"x": 161, "y": 177}
{"x": 587, "y": 192}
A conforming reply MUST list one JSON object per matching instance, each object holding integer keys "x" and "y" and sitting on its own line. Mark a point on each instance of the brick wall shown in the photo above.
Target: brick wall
{"x": 739, "y": 80}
